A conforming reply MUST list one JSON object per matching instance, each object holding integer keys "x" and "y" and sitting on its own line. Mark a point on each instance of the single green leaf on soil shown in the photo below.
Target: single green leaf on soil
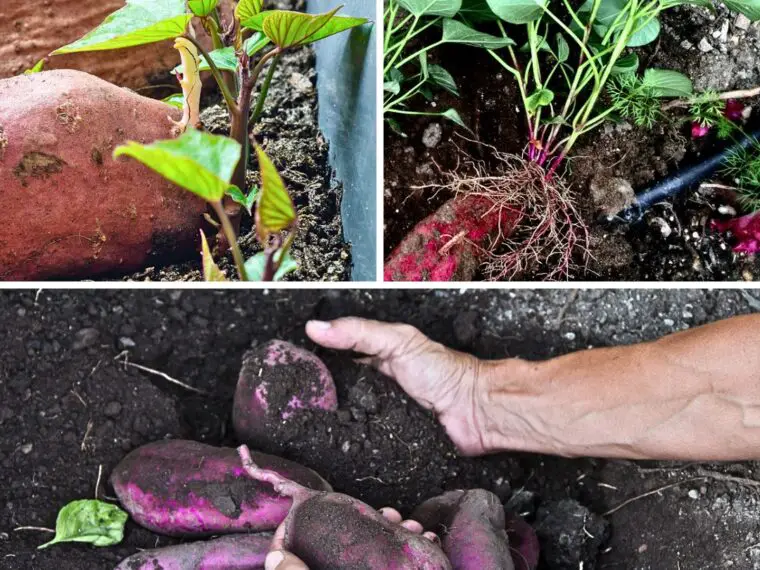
{"x": 334, "y": 25}
{"x": 89, "y": 520}
{"x": 518, "y": 11}
{"x": 274, "y": 210}
{"x": 667, "y": 83}
{"x": 459, "y": 33}
{"x": 443, "y": 78}
{"x": 177, "y": 100}
{"x": 750, "y": 8}
{"x": 455, "y": 117}
{"x": 645, "y": 33}
{"x": 139, "y": 22}
{"x": 246, "y": 201}
{"x": 540, "y": 98}
{"x": 211, "y": 271}
{"x": 36, "y": 68}
{"x": 247, "y": 9}
{"x": 445, "y": 8}
{"x": 202, "y": 8}
{"x": 199, "y": 162}
{"x": 255, "y": 266}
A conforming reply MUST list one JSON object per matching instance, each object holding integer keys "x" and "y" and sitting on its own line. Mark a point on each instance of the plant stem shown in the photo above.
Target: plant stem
{"x": 231, "y": 235}
{"x": 223, "y": 87}
{"x": 738, "y": 94}
{"x": 264, "y": 91}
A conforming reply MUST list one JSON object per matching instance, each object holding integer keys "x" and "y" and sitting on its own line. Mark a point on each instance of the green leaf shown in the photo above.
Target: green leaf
{"x": 671, "y": 3}
{"x": 518, "y": 11}
{"x": 563, "y": 50}
{"x": 645, "y": 33}
{"x": 247, "y": 9}
{"x": 199, "y": 162}
{"x": 225, "y": 58}
{"x": 202, "y": 8}
{"x": 455, "y": 117}
{"x": 37, "y": 67}
{"x": 335, "y": 25}
{"x": 443, "y": 78}
{"x": 476, "y": 11}
{"x": 211, "y": 271}
{"x": 288, "y": 29}
{"x": 176, "y": 100}
{"x": 540, "y": 98}
{"x": 459, "y": 33}
{"x": 626, "y": 64}
{"x": 246, "y": 201}
{"x": 255, "y": 266}
{"x": 274, "y": 211}
{"x": 445, "y": 8}
{"x": 393, "y": 87}
{"x": 89, "y": 520}
{"x": 750, "y": 8}
{"x": 139, "y": 22}
{"x": 667, "y": 83}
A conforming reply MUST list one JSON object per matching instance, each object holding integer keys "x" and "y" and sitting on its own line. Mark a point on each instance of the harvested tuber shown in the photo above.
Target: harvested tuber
{"x": 331, "y": 531}
{"x": 239, "y": 552}
{"x": 276, "y": 381}
{"x": 186, "y": 488}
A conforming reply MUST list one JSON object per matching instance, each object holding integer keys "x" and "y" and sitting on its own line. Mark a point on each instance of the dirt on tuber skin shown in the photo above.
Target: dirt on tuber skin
{"x": 332, "y": 531}
{"x": 189, "y": 489}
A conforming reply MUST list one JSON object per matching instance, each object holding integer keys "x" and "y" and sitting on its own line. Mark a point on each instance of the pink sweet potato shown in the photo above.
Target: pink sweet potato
{"x": 472, "y": 527}
{"x": 69, "y": 209}
{"x": 239, "y": 552}
{"x": 186, "y": 488}
{"x": 331, "y": 531}
{"x": 745, "y": 230}
{"x": 445, "y": 246}
{"x": 278, "y": 379}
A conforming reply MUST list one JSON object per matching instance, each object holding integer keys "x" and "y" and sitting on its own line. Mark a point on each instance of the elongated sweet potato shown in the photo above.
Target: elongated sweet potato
{"x": 186, "y": 488}
{"x": 276, "y": 380}
{"x": 239, "y": 552}
{"x": 69, "y": 209}
{"x": 472, "y": 527}
{"x": 332, "y": 531}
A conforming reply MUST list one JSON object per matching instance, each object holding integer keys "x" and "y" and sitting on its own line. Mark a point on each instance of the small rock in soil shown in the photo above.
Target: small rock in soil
{"x": 610, "y": 195}
{"x": 85, "y": 338}
{"x": 432, "y": 136}
{"x": 742, "y": 22}
{"x": 705, "y": 46}
{"x": 570, "y": 535}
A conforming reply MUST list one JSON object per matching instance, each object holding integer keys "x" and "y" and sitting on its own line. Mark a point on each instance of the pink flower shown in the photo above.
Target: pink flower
{"x": 746, "y": 232}
{"x": 698, "y": 130}
{"x": 734, "y": 110}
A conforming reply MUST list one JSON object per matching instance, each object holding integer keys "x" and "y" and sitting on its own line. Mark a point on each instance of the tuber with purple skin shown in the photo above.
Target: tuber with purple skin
{"x": 239, "y": 552}
{"x": 276, "y": 381}
{"x": 746, "y": 232}
{"x": 186, "y": 488}
{"x": 332, "y": 531}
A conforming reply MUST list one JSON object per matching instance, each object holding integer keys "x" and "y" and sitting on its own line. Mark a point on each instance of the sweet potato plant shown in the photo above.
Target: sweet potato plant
{"x": 210, "y": 166}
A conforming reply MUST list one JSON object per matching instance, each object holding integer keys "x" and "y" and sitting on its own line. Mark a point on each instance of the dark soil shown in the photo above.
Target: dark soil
{"x": 686, "y": 249}
{"x": 68, "y": 405}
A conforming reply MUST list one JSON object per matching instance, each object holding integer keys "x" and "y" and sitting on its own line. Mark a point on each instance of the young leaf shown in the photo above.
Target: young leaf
{"x": 288, "y": 29}
{"x": 540, "y": 98}
{"x": 750, "y": 8}
{"x": 37, "y": 67}
{"x": 246, "y": 201}
{"x": 454, "y": 117}
{"x": 445, "y": 8}
{"x": 89, "y": 520}
{"x": 443, "y": 78}
{"x": 518, "y": 11}
{"x": 626, "y": 64}
{"x": 199, "y": 162}
{"x": 392, "y": 87}
{"x": 459, "y": 33}
{"x": 275, "y": 210}
{"x": 176, "y": 100}
{"x": 334, "y": 25}
{"x": 247, "y": 9}
{"x": 225, "y": 58}
{"x": 563, "y": 49}
{"x": 211, "y": 271}
{"x": 202, "y": 8}
{"x": 255, "y": 266}
{"x": 667, "y": 83}
{"x": 139, "y": 22}
{"x": 645, "y": 33}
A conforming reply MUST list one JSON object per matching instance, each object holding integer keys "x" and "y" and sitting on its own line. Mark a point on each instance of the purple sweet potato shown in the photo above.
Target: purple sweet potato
{"x": 331, "y": 531}
{"x": 523, "y": 541}
{"x": 278, "y": 379}
{"x": 239, "y": 552}
{"x": 472, "y": 527}
{"x": 186, "y": 488}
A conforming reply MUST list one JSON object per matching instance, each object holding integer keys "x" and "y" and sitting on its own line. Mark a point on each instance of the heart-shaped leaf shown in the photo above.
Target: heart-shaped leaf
{"x": 518, "y": 11}
{"x": 255, "y": 266}
{"x": 645, "y": 33}
{"x": 89, "y": 520}
{"x": 274, "y": 210}
{"x": 443, "y": 78}
{"x": 445, "y": 8}
{"x": 199, "y": 162}
{"x": 667, "y": 83}
{"x": 211, "y": 271}
{"x": 459, "y": 33}
{"x": 247, "y": 9}
{"x": 246, "y": 201}
{"x": 332, "y": 26}
{"x": 202, "y": 8}
{"x": 139, "y": 22}
{"x": 540, "y": 98}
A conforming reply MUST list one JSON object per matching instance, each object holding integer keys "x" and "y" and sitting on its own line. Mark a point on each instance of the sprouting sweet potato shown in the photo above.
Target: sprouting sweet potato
{"x": 472, "y": 529}
{"x": 332, "y": 531}
{"x": 278, "y": 379}
{"x": 238, "y": 552}
{"x": 447, "y": 245}
{"x": 70, "y": 209}
{"x": 186, "y": 488}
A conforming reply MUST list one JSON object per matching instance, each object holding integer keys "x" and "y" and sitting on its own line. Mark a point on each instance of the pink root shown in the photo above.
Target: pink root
{"x": 282, "y": 486}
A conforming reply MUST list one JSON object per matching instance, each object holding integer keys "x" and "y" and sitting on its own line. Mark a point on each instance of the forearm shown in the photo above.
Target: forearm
{"x": 691, "y": 395}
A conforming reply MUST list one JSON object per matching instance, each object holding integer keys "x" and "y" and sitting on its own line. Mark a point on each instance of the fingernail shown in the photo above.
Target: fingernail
{"x": 320, "y": 325}
{"x": 273, "y": 560}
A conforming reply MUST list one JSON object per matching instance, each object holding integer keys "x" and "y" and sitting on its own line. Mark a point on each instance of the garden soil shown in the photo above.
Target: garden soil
{"x": 70, "y": 406}
{"x": 674, "y": 241}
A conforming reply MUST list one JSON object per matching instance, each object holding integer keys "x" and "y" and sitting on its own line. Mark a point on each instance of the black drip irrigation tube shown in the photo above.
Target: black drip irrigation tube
{"x": 678, "y": 182}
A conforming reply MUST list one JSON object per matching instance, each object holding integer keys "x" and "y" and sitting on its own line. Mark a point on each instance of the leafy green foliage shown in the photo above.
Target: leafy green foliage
{"x": 540, "y": 98}
{"x": 139, "y": 22}
{"x": 255, "y": 267}
{"x": 274, "y": 210}
{"x": 750, "y": 8}
{"x": 458, "y": 33}
{"x": 91, "y": 521}
{"x": 419, "y": 8}
{"x": 199, "y": 162}
{"x": 634, "y": 100}
{"x": 247, "y": 9}
{"x": 668, "y": 83}
{"x": 177, "y": 100}
{"x": 225, "y": 58}
{"x": 247, "y": 201}
{"x": 518, "y": 11}
{"x": 36, "y": 68}
{"x": 202, "y": 8}
{"x": 743, "y": 167}
{"x": 291, "y": 29}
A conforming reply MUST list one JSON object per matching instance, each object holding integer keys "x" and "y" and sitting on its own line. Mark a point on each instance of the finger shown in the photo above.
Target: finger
{"x": 391, "y": 515}
{"x": 413, "y": 526}
{"x": 432, "y": 537}
{"x": 281, "y": 560}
